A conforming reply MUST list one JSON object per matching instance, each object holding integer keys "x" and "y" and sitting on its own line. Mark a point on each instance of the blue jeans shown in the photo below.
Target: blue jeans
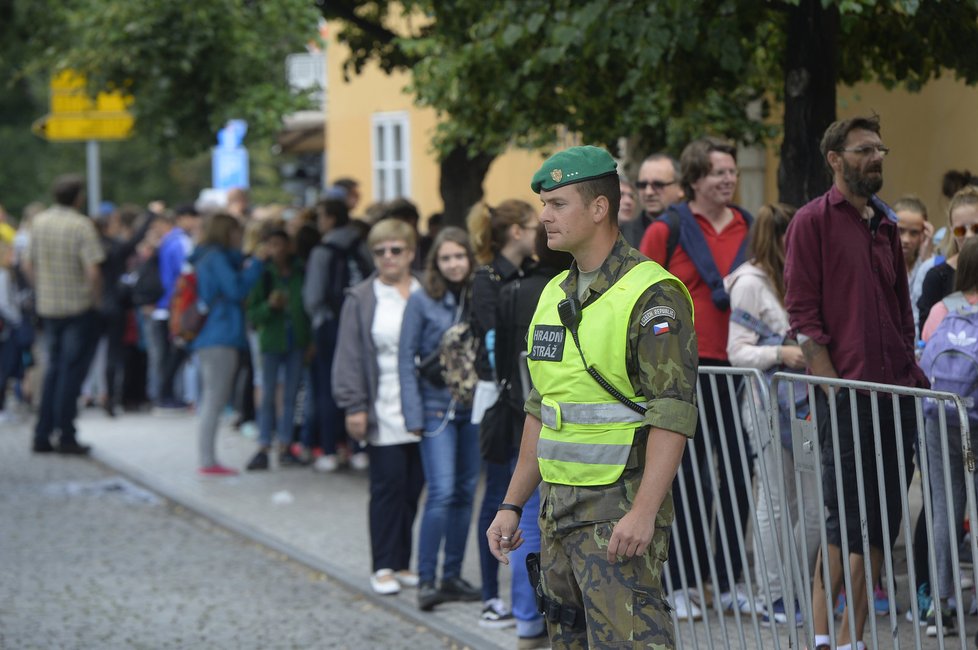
{"x": 529, "y": 621}
{"x": 450, "y": 459}
{"x": 270, "y": 364}
{"x": 497, "y": 482}
{"x": 71, "y": 345}
{"x": 155, "y": 340}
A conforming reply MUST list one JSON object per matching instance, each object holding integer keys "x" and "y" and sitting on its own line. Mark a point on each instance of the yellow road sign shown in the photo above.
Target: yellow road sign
{"x": 76, "y": 116}
{"x": 84, "y": 126}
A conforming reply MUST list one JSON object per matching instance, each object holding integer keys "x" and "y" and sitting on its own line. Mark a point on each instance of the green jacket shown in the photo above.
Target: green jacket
{"x": 273, "y": 324}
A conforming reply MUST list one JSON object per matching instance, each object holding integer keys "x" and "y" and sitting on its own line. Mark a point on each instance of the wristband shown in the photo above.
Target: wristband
{"x": 509, "y": 506}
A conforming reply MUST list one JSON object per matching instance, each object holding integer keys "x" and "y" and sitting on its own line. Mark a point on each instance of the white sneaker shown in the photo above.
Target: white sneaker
{"x": 384, "y": 582}
{"x": 359, "y": 461}
{"x": 684, "y": 606}
{"x": 738, "y": 598}
{"x": 407, "y": 578}
{"x": 326, "y": 463}
{"x": 496, "y": 615}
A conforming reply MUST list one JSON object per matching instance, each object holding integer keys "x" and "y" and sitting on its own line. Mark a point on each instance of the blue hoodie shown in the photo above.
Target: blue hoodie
{"x": 223, "y": 285}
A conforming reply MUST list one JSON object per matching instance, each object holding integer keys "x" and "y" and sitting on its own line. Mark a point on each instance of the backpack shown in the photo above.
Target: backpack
{"x": 147, "y": 286}
{"x": 683, "y": 230}
{"x": 452, "y": 364}
{"x": 950, "y": 359}
{"x": 457, "y": 352}
{"x": 188, "y": 312}
{"x": 767, "y": 336}
{"x": 346, "y": 267}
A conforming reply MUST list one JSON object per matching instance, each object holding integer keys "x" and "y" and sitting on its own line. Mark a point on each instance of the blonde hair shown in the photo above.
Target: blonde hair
{"x": 489, "y": 227}
{"x": 967, "y": 195}
{"x": 392, "y": 230}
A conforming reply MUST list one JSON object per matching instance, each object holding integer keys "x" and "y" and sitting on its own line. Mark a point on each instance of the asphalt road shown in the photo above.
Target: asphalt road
{"x": 89, "y": 560}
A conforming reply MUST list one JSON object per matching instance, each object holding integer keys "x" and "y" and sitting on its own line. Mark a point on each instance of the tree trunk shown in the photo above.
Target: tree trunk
{"x": 811, "y": 74}
{"x": 461, "y": 182}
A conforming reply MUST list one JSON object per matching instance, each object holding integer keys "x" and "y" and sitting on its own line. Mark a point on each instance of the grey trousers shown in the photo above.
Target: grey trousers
{"x": 947, "y": 525}
{"x": 217, "y": 369}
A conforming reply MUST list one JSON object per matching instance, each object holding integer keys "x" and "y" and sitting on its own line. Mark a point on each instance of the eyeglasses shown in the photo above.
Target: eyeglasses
{"x": 380, "y": 251}
{"x": 869, "y": 150}
{"x": 658, "y": 186}
{"x": 961, "y": 231}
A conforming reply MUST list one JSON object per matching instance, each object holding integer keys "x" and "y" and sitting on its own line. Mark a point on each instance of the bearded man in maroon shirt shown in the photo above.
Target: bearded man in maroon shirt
{"x": 849, "y": 305}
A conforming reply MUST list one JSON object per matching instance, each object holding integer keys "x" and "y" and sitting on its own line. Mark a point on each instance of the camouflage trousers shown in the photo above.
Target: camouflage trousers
{"x": 623, "y": 602}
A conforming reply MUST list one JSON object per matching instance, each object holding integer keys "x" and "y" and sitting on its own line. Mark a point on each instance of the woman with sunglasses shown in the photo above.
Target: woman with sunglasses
{"x": 939, "y": 281}
{"x": 366, "y": 385}
{"x": 449, "y": 440}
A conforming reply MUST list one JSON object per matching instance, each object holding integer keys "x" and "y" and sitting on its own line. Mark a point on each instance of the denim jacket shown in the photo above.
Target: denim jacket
{"x": 223, "y": 283}
{"x": 425, "y": 320}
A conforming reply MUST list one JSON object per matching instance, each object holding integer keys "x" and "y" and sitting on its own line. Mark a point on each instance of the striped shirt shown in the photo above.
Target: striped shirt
{"x": 64, "y": 244}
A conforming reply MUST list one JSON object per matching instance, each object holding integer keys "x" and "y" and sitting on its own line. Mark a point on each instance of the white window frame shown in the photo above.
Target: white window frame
{"x": 382, "y": 126}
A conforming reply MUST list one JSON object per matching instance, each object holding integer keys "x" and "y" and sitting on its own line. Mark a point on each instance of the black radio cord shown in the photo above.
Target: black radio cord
{"x": 604, "y": 383}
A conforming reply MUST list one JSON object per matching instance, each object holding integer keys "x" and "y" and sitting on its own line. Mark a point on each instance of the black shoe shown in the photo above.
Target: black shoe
{"x": 949, "y": 624}
{"x": 42, "y": 448}
{"x": 428, "y": 596}
{"x": 109, "y": 409}
{"x": 73, "y": 448}
{"x": 258, "y": 461}
{"x": 457, "y": 588}
{"x": 287, "y": 459}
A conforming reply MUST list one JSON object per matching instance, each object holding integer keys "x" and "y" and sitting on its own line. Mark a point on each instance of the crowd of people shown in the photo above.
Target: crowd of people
{"x": 323, "y": 331}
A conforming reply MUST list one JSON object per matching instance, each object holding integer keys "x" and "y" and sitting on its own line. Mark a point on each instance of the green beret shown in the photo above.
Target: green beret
{"x": 573, "y": 166}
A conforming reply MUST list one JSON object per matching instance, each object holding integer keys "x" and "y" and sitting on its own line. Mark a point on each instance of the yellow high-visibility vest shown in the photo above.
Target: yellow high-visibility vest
{"x": 587, "y": 434}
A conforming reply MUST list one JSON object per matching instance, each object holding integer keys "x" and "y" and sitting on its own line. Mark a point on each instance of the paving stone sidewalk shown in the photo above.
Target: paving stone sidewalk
{"x": 317, "y": 519}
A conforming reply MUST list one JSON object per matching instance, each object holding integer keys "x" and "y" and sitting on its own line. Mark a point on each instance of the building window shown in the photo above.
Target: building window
{"x": 391, "y": 165}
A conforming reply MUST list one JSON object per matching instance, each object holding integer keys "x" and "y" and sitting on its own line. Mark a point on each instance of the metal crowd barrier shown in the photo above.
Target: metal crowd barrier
{"x": 759, "y": 544}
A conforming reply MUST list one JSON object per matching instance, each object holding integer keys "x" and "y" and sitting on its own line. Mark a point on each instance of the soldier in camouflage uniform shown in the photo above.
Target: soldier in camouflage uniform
{"x": 604, "y": 523}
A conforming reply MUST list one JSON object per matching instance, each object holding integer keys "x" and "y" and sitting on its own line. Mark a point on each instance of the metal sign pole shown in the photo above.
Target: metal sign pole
{"x": 93, "y": 172}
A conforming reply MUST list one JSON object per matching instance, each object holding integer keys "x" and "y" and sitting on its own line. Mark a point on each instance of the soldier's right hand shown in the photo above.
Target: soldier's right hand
{"x": 504, "y": 535}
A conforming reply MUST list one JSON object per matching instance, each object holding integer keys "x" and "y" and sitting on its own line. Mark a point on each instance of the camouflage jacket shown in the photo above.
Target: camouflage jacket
{"x": 662, "y": 368}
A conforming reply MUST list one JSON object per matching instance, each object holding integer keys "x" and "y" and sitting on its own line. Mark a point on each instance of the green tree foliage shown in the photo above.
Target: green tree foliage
{"x": 660, "y": 71}
{"x": 190, "y": 64}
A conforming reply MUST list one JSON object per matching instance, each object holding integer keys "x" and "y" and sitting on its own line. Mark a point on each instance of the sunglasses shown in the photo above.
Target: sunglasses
{"x": 961, "y": 231}
{"x": 380, "y": 251}
{"x": 658, "y": 186}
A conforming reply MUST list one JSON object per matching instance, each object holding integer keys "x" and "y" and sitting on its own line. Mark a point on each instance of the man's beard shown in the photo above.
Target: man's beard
{"x": 859, "y": 184}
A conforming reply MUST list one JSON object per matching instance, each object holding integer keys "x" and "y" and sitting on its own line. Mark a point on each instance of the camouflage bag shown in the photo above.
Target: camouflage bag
{"x": 456, "y": 354}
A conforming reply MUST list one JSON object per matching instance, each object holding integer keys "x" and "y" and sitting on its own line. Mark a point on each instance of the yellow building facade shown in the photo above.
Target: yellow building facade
{"x": 375, "y": 134}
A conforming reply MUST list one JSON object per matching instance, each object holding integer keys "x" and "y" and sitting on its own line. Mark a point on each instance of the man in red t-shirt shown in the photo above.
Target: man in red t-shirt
{"x": 709, "y": 179}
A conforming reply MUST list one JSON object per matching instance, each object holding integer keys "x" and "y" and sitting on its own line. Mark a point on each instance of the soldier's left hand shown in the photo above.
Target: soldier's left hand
{"x": 631, "y": 536}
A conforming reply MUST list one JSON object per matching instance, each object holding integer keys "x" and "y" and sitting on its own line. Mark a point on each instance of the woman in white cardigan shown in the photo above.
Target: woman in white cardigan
{"x": 758, "y": 339}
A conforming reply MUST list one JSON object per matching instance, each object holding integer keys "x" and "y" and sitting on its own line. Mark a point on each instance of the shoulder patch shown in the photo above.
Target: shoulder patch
{"x": 657, "y": 312}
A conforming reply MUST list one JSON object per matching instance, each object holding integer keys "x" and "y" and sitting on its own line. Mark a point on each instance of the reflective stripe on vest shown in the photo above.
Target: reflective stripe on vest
{"x": 553, "y": 415}
{"x": 587, "y": 436}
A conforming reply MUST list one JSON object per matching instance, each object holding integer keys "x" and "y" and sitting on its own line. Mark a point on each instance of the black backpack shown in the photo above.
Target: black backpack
{"x": 147, "y": 288}
{"x": 684, "y": 231}
{"x": 346, "y": 267}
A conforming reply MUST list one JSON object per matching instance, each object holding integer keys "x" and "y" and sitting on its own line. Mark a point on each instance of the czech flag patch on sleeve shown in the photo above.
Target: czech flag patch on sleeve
{"x": 660, "y": 328}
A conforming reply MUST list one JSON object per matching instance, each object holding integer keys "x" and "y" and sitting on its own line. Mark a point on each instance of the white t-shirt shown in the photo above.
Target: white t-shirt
{"x": 386, "y": 332}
